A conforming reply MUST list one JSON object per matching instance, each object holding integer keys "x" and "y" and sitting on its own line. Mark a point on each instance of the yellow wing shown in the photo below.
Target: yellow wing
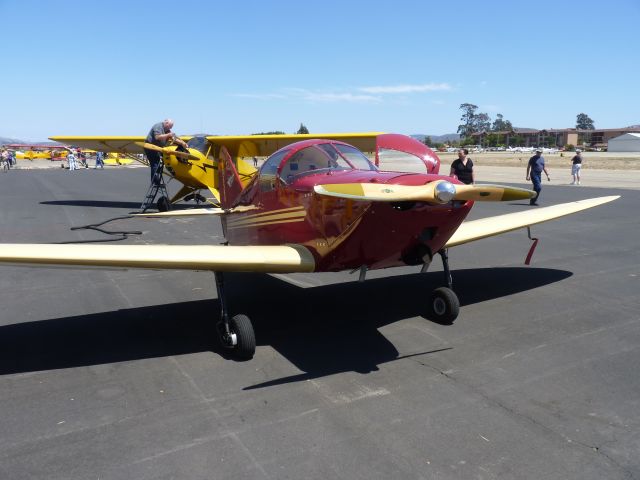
{"x": 237, "y": 145}
{"x": 265, "y": 145}
{"x": 220, "y": 258}
{"x": 104, "y": 144}
{"x": 488, "y": 227}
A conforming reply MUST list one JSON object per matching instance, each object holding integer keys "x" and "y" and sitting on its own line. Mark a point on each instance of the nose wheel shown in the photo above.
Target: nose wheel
{"x": 444, "y": 305}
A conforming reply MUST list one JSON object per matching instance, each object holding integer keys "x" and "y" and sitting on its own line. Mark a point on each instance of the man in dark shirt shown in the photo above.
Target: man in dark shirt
{"x": 576, "y": 166}
{"x": 159, "y": 135}
{"x": 462, "y": 167}
{"x": 535, "y": 167}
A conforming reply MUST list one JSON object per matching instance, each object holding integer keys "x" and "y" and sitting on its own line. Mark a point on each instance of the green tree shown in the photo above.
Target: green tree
{"x": 583, "y": 122}
{"x": 501, "y": 125}
{"x": 468, "y": 118}
{"x": 491, "y": 140}
{"x": 482, "y": 122}
{"x": 517, "y": 140}
{"x": 472, "y": 122}
{"x": 302, "y": 129}
{"x": 427, "y": 141}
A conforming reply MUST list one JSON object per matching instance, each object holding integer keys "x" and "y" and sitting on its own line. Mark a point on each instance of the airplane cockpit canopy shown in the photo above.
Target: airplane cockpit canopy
{"x": 317, "y": 158}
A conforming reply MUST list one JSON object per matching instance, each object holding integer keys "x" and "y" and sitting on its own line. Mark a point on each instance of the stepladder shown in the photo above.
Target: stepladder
{"x": 157, "y": 187}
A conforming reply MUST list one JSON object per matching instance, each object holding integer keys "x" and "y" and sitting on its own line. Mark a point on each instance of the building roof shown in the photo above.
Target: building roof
{"x": 628, "y": 135}
{"x": 562, "y": 130}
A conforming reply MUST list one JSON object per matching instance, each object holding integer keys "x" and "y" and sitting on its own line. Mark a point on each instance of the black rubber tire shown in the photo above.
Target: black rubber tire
{"x": 163, "y": 204}
{"x": 444, "y": 305}
{"x": 242, "y": 327}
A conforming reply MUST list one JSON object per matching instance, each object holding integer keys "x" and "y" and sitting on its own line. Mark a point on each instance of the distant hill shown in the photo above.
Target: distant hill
{"x": 6, "y": 141}
{"x": 437, "y": 138}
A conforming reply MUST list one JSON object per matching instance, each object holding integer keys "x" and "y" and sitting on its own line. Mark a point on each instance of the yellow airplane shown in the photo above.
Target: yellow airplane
{"x": 30, "y": 152}
{"x": 197, "y": 169}
{"x": 113, "y": 158}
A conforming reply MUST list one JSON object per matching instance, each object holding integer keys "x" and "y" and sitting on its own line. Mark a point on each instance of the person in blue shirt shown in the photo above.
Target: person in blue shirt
{"x": 535, "y": 167}
{"x": 99, "y": 160}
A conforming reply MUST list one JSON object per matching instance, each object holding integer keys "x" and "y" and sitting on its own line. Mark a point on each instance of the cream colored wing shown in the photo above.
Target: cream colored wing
{"x": 488, "y": 227}
{"x": 221, "y": 258}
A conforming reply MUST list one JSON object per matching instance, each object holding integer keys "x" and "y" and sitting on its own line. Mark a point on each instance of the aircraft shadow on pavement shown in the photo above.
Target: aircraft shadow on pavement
{"x": 94, "y": 203}
{"x": 321, "y": 330}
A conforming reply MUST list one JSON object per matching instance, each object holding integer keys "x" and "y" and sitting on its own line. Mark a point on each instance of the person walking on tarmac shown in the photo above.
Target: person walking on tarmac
{"x": 576, "y": 166}
{"x": 535, "y": 167}
{"x": 160, "y": 135}
{"x": 462, "y": 168}
{"x": 71, "y": 160}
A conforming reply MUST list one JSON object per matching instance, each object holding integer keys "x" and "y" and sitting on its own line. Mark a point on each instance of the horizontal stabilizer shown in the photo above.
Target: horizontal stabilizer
{"x": 487, "y": 227}
{"x": 439, "y": 191}
{"x": 221, "y": 258}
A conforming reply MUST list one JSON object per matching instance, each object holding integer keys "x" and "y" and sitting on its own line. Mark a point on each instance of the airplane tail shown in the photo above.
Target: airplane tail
{"x": 229, "y": 182}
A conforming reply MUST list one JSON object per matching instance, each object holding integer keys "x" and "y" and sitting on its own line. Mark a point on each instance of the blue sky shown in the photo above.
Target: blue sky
{"x": 241, "y": 67}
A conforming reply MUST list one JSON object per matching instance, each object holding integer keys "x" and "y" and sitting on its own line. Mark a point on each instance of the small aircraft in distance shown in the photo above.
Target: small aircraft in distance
{"x": 320, "y": 205}
{"x": 31, "y": 151}
{"x": 197, "y": 168}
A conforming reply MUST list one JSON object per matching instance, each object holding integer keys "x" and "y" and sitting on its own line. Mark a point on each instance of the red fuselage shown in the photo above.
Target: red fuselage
{"x": 341, "y": 233}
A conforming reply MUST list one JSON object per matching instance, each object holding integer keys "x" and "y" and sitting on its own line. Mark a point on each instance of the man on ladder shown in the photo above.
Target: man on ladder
{"x": 160, "y": 135}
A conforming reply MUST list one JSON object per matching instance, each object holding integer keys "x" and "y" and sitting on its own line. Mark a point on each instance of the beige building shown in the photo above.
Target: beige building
{"x": 529, "y": 137}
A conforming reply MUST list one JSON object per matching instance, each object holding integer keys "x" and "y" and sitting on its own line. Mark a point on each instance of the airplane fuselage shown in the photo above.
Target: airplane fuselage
{"x": 342, "y": 233}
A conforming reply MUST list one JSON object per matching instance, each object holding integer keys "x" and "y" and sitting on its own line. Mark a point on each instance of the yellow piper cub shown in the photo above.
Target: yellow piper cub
{"x": 197, "y": 169}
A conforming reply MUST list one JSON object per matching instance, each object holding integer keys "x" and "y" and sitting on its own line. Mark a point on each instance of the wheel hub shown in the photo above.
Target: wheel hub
{"x": 439, "y": 306}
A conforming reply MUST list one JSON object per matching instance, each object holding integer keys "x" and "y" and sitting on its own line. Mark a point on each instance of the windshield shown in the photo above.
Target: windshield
{"x": 324, "y": 157}
{"x": 198, "y": 143}
{"x": 397, "y": 161}
{"x": 355, "y": 157}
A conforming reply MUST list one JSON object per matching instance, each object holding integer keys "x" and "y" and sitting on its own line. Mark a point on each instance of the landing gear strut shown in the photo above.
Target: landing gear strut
{"x": 236, "y": 333}
{"x": 444, "y": 305}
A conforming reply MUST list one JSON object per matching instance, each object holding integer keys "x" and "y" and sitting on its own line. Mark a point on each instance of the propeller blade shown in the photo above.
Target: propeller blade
{"x": 439, "y": 191}
{"x": 170, "y": 151}
{"x": 492, "y": 193}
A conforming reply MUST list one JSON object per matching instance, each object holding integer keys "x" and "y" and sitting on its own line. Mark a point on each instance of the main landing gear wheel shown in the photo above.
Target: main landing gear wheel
{"x": 236, "y": 333}
{"x": 444, "y": 305}
{"x": 240, "y": 337}
{"x": 163, "y": 204}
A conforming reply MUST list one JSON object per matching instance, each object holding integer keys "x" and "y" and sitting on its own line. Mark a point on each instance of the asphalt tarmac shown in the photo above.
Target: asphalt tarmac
{"x": 115, "y": 374}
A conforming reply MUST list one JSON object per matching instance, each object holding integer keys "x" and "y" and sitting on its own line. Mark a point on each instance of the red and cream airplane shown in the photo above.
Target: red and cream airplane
{"x": 321, "y": 205}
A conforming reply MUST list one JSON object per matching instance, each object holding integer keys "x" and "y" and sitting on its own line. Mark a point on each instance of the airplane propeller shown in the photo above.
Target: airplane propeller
{"x": 439, "y": 191}
{"x": 151, "y": 146}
